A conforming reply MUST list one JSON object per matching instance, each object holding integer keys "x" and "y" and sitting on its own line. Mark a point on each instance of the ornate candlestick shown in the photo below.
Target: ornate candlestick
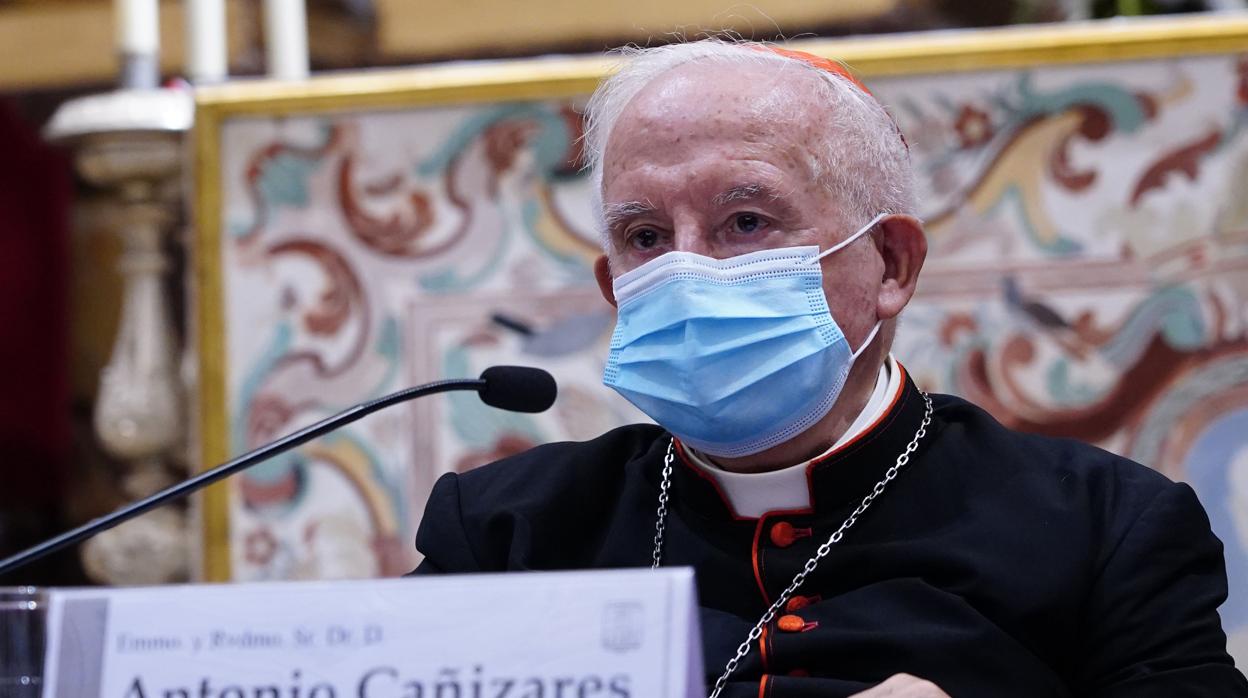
{"x": 129, "y": 143}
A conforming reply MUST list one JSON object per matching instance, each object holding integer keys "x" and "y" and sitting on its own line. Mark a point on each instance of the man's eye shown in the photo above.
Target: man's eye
{"x": 644, "y": 239}
{"x": 748, "y": 223}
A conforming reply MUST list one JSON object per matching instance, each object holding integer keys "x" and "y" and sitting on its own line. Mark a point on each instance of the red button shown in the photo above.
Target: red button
{"x": 784, "y": 533}
{"x": 791, "y": 623}
{"x": 797, "y": 603}
{"x": 795, "y": 624}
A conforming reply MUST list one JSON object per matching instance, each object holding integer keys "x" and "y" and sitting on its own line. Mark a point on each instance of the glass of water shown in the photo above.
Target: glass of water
{"x": 22, "y": 615}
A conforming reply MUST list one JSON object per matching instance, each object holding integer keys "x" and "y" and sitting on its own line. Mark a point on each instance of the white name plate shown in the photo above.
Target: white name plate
{"x": 613, "y": 634}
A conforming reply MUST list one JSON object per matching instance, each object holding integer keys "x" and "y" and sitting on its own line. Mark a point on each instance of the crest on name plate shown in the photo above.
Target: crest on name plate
{"x": 622, "y": 626}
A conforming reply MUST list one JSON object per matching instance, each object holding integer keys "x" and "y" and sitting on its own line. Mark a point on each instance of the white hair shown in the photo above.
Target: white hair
{"x": 863, "y": 162}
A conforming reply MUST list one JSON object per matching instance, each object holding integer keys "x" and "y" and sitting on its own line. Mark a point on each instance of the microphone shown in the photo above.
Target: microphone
{"x": 518, "y": 389}
{"x": 513, "y": 388}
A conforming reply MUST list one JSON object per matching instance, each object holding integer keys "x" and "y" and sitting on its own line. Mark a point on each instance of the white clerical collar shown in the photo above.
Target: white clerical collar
{"x": 753, "y": 494}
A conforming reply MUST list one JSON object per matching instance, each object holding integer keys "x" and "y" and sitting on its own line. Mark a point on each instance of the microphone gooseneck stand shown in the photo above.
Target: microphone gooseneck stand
{"x": 507, "y": 387}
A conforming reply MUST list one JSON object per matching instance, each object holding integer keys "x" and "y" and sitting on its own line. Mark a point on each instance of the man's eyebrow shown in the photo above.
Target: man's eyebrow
{"x": 615, "y": 214}
{"x": 745, "y": 192}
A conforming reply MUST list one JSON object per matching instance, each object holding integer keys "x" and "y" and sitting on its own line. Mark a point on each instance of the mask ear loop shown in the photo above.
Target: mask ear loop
{"x": 870, "y": 338}
{"x": 844, "y": 243}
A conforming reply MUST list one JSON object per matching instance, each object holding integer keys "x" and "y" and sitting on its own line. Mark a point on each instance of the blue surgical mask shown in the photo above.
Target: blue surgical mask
{"x": 732, "y": 356}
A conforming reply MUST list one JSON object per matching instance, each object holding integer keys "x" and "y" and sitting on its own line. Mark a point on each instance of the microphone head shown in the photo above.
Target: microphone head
{"x": 518, "y": 388}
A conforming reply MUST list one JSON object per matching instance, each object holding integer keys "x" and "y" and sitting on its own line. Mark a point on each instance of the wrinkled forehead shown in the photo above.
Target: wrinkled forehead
{"x": 771, "y": 103}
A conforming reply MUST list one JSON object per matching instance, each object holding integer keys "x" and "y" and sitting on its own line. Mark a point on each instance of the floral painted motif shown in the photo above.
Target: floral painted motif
{"x": 974, "y": 127}
{"x": 259, "y": 546}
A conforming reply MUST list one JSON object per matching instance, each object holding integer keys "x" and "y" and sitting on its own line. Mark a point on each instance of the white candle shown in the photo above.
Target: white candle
{"x": 206, "y": 54}
{"x": 286, "y": 38}
{"x": 138, "y": 26}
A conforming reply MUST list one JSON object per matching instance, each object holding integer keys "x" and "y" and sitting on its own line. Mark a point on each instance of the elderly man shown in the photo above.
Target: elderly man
{"x": 849, "y": 532}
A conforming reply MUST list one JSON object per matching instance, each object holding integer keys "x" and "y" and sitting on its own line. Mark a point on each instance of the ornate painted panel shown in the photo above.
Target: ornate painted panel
{"x": 1087, "y": 277}
{"x": 1088, "y": 264}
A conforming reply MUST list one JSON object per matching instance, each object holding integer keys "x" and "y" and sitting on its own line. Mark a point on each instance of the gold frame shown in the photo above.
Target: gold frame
{"x": 563, "y": 77}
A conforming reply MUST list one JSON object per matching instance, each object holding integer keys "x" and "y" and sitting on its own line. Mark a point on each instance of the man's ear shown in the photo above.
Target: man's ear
{"x": 903, "y": 245}
{"x": 602, "y": 272}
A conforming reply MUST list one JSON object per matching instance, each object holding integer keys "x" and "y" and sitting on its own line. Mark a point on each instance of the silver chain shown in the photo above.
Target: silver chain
{"x": 660, "y": 523}
{"x": 757, "y": 631}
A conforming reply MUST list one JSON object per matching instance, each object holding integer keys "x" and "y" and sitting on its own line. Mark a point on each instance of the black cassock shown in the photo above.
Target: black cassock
{"x": 996, "y": 564}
